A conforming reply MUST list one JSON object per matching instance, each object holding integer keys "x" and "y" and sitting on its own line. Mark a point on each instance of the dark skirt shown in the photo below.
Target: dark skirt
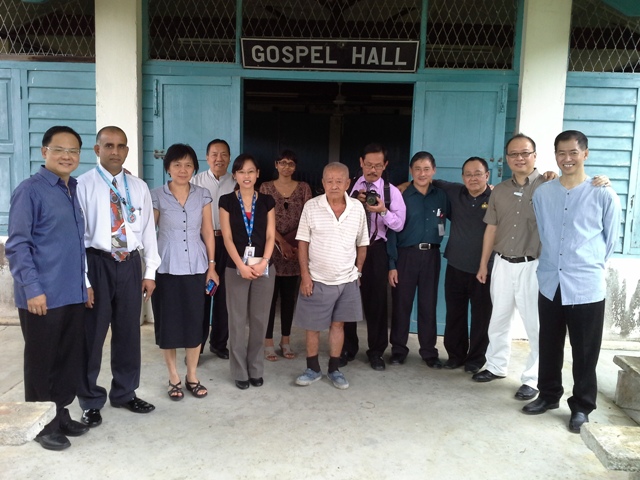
{"x": 178, "y": 303}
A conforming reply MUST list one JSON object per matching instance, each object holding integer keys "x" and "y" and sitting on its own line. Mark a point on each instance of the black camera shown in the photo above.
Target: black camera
{"x": 371, "y": 197}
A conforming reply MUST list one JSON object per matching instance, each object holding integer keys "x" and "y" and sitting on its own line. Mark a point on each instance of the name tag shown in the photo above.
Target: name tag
{"x": 517, "y": 194}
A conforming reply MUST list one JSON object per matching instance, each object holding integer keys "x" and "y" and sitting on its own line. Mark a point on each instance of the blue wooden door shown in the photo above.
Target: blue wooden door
{"x": 455, "y": 121}
{"x": 195, "y": 110}
{"x": 11, "y": 158}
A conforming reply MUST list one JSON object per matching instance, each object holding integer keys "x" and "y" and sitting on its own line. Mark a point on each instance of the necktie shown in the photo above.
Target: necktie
{"x": 370, "y": 226}
{"x": 118, "y": 230}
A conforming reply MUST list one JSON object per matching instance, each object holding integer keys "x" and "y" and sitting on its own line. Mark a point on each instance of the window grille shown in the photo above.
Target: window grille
{"x": 51, "y": 29}
{"x": 192, "y": 30}
{"x": 348, "y": 19}
{"x": 471, "y": 34}
{"x": 603, "y": 39}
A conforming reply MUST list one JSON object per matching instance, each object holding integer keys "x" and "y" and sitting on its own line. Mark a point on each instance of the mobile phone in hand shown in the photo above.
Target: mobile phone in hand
{"x": 211, "y": 288}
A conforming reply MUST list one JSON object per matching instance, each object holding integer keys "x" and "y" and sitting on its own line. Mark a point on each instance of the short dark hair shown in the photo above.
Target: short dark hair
{"x": 218, "y": 140}
{"x": 178, "y": 151}
{"x": 288, "y": 154}
{"x": 581, "y": 138}
{"x": 374, "y": 148}
{"x": 111, "y": 128}
{"x": 238, "y": 163}
{"x": 516, "y": 137}
{"x": 423, "y": 156}
{"x": 476, "y": 159}
{"x": 48, "y": 135}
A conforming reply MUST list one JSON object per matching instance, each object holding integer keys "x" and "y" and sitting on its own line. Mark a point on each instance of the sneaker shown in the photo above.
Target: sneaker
{"x": 308, "y": 377}
{"x": 338, "y": 380}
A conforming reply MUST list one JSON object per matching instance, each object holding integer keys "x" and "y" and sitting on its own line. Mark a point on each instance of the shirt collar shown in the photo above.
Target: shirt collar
{"x": 165, "y": 188}
{"x": 530, "y": 178}
{"x": 54, "y": 179}
{"x": 412, "y": 190}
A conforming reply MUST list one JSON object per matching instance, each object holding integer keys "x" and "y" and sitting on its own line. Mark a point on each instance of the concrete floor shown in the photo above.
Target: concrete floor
{"x": 408, "y": 422}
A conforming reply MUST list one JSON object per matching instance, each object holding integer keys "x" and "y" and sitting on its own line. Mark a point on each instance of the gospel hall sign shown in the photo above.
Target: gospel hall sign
{"x": 343, "y": 55}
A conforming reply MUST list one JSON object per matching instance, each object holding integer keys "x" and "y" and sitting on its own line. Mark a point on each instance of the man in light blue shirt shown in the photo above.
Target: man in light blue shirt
{"x": 578, "y": 226}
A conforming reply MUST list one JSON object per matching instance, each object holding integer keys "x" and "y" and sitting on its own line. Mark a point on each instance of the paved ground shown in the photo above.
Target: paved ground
{"x": 408, "y": 422}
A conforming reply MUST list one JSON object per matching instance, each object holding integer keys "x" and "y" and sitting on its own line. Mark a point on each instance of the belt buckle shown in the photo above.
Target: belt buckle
{"x": 424, "y": 246}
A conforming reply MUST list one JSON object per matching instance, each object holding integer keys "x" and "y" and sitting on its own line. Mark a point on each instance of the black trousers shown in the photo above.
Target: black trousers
{"x": 416, "y": 269}
{"x": 219, "y": 321}
{"x": 585, "y": 323}
{"x": 373, "y": 289}
{"x": 117, "y": 289}
{"x": 464, "y": 345}
{"x": 53, "y": 348}
{"x": 287, "y": 288}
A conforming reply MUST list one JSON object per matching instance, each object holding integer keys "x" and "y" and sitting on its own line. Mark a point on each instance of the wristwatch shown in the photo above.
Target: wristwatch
{"x": 383, "y": 213}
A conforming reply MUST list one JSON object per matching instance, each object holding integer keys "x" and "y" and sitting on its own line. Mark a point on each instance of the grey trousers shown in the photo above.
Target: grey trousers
{"x": 248, "y": 303}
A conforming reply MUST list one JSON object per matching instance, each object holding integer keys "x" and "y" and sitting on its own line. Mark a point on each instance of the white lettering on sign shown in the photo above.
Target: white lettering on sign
{"x": 301, "y": 52}
{"x": 287, "y": 54}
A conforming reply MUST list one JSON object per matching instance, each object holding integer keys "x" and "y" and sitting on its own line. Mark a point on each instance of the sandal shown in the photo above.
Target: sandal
{"x": 287, "y": 352}
{"x": 270, "y": 353}
{"x": 175, "y": 393}
{"x": 196, "y": 388}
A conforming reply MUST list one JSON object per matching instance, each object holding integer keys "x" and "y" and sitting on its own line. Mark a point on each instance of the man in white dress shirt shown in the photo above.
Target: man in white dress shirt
{"x": 219, "y": 182}
{"x": 119, "y": 229}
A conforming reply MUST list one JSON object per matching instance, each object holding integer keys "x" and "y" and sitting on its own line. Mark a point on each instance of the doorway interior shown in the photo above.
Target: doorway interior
{"x": 327, "y": 121}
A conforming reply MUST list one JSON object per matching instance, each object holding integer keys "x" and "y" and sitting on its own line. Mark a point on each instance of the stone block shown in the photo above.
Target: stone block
{"x": 20, "y": 422}
{"x": 628, "y": 386}
{"x": 617, "y": 447}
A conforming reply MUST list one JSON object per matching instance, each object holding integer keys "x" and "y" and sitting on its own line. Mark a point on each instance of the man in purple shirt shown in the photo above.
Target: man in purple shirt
{"x": 46, "y": 257}
{"x": 385, "y": 209}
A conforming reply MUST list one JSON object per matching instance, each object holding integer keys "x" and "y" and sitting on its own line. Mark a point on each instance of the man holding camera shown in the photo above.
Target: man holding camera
{"x": 385, "y": 210}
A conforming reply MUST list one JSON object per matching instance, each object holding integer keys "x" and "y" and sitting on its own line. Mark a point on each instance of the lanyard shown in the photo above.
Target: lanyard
{"x": 248, "y": 225}
{"x": 127, "y": 202}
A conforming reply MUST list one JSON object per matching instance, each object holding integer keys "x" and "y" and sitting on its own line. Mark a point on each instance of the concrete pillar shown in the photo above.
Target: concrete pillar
{"x": 543, "y": 74}
{"x": 119, "y": 72}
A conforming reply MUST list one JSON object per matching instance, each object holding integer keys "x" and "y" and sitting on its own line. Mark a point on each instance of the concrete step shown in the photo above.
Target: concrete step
{"x": 20, "y": 422}
{"x": 617, "y": 447}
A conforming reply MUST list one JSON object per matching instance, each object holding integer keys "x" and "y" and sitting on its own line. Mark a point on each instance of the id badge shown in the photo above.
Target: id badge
{"x": 248, "y": 252}
{"x": 441, "y": 229}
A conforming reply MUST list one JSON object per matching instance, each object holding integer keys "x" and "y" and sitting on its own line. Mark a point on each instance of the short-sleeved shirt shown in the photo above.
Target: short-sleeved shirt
{"x": 333, "y": 241}
{"x": 464, "y": 247}
{"x": 217, "y": 187}
{"x": 264, "y": 204}
{"x": 511, "y": 210}
{"x": 181, "y": 249}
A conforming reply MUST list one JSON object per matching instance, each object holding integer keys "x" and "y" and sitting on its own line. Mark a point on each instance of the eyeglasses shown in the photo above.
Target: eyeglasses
{"x": 475, "y": 175}
{"x": 524, "y": 155}
{"x": 284, "y": 163}
{"x": 572, "y": 153}
{"x": 74, "y": 152}
{"x": 373, "y": 167}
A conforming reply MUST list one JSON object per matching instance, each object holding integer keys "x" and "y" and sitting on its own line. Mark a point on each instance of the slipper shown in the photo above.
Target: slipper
{"x": 270, "y": 353}
{"x": 287, "y": 352}
{"x": 196, "y": 388}
{"x": 175, "y": 393}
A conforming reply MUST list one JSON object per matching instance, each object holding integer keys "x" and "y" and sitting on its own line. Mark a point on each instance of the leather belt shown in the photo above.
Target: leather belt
{"x": 426, "y": 246}
{"x": 217, "y": 233}
{"x": 103, "y": 254}
{"x": 516, "y": 259}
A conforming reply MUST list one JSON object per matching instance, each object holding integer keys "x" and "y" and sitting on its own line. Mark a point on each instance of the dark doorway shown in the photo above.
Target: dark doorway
{"x": 327, "y": 121}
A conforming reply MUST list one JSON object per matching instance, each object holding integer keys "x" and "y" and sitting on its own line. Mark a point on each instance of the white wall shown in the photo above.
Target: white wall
{"x": 543, "y": 74}
{"x": 119, "y": 72}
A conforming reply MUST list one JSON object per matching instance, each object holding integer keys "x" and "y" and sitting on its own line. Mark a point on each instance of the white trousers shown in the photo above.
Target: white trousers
{"x": 514, "y": 287}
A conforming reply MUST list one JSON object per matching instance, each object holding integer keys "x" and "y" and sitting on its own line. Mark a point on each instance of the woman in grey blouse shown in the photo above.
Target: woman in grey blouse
{"x": 186, "y": 244}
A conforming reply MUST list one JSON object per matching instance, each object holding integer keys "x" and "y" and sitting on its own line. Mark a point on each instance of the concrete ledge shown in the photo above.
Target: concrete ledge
{"x": 617, "y": 447}
{"x": 628, "y": 387}
{"x": 20, "y": 422}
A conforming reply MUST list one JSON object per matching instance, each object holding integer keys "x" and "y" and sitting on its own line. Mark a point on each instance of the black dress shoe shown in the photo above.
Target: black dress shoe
{"x": 242, "y": 384}
{"x": 345, "y": 358}
{"x": 577, "y": 420}
{"x": 539, "y": 406}
{"x": 91, "y": 417}
{"x": 222, "y": 353}
{"x": 377, "y": 363}
{"x": 433, "y": 363}
{"x": 397, "y": 359}
{"x": 256, "y": 382}
{"x": 471, "y": 368}
{"x": 485, "y": 376}
{"x": 135, "y": 405}
{"x": 451, "y": 364}
{"x": 53, "y": 441}
{"x": 74, "y": 429}
{"x": 525, "y": 392}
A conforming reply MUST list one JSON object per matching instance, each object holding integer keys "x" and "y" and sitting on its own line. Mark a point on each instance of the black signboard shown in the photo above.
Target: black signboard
{"x": 341, "y": 55}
